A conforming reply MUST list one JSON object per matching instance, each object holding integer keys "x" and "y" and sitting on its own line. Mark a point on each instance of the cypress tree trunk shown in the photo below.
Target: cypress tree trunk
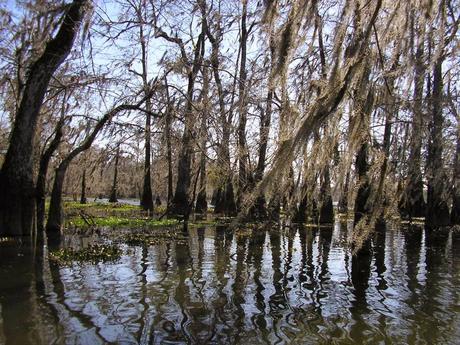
{"x": 18, "y": 198}
{"x": 55, "y": 213}
{"x": 242, "y": 111}
{"x": 455, "y": 212}
{"x": 300, "y": 215}
{"x": 201, "y": 203}
{"x": 42, "y": 172}
{"x": 343, "y": 201}
{"x": 114, "y": 191}
{"x": 223, "y": 196}
{"x": 362, "y": 168}
{"x": 180, "y": 204}
{"x": 414, "y": 203}
{"x": 437, "y": 212}
{"x": 169, "y": 153}
{"x": 83, "y": 188}
{"x": 326, "y": 212}
{"x": 147, "y": 197}
{"x": 264, "y": 131}
{"x": 365, "y": 97}
{"x": 265, "y": 119}
{"x": 363, "y": 255}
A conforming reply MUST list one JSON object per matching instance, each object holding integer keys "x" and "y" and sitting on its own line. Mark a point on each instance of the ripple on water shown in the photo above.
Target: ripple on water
{"x": 295, "y": 286}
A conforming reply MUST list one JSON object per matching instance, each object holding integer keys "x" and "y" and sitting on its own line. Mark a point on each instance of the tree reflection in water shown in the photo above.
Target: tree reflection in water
{"x": 279, "y": 286}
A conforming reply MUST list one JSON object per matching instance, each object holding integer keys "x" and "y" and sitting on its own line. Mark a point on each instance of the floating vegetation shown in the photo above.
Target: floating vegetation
{"x": 414, "y": 221}
{"x": 112, "y": 221}
{"x": 92, "y": 254}
{"x": 244, "y": 232}
{"x": 99, "y": 205}
{"x": 203, "y": 223}
{"x": 149, "y": 239}
{"x": 98, "y": 209}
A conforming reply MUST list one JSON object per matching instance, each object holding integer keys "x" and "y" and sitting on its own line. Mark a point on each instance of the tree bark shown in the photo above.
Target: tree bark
{"x": 455, "y": 212}
{"x": 83, "y": 199}
{"x": 362, "y": 167}
{"x": 201, "y": 202}
{"x": 114, "y": 190}
{"x": 18, "y": 197}
{"x": 181, "y": 204}
{"x": 55, "y": 213}
{"x": 242, "y": 110}
{"x": 169, "y": 154}
{"x": 326, "y": 211}
{"x": 147, "y": 196}
{"x": 259, "y": 210}
{"x": 42, "y": 173}
{"x": 224, "y": 200}
{"x": 414, "y": 203}
{"x": 437, "y": 210}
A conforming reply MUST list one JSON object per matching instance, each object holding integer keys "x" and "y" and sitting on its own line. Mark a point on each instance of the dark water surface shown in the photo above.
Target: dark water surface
{"x": 295, "y": 286}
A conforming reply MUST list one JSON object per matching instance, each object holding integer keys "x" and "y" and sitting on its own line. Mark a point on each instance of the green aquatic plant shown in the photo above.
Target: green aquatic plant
{"x": 148, "y": 239}
{"x": 203, "y": 223}
{"x": 93, "y": 254}
{"x": 113, "y": 221}
{"x": 99, "y": 206}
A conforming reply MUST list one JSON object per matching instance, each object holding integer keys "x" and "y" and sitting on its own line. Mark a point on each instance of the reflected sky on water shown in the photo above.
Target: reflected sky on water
{"x": 299, "y": 286}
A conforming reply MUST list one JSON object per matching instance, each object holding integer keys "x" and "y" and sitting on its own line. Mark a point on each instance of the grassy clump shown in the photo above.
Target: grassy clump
{"x": 114, "y": 222}
{"x": 93, "y": 254}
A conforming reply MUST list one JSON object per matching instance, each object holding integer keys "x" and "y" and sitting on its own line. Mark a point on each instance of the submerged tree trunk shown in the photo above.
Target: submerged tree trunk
{"x": 18, "y": 198}
{"x": 437, "y": 212}
{"x": 114, "y": 190}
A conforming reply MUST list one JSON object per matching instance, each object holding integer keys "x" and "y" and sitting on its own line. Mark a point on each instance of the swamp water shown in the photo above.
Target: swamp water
{"x": 295, "y": 286}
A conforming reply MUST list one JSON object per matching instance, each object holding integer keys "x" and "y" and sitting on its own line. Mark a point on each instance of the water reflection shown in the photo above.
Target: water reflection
{"x": 296, "y": 285}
